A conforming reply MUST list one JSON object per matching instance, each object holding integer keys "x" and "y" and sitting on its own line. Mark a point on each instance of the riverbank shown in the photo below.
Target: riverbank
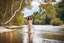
{"x": 13, "y": 27}
{"x": 3, "y": 29}
{"x": 43, "y": 28}
{"x": 9, "y": 28}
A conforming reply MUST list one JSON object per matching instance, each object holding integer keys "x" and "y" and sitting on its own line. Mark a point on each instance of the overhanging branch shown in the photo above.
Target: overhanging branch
{"x": 14, "y": 13}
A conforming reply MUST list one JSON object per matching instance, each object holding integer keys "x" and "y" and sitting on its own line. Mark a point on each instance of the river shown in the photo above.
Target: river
{"x": 42, "y": 34}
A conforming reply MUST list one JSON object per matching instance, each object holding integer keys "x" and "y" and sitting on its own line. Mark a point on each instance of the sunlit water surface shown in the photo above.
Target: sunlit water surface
{"x": 42, "y": 34}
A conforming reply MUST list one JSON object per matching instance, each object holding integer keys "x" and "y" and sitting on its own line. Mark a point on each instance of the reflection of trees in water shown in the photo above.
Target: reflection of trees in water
{"x": 53, "y": 36}
{"x": 10, "y": 37}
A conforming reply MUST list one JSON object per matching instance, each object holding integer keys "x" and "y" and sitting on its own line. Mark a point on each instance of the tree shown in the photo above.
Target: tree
{"x": 14, "y": 13}
{"x": 50, "y": 0}
{"x": 60, "y": 10}
{"x": 18, "y": 19}
{"x": 50, "y": 10}
{"x": 12, "y": 7}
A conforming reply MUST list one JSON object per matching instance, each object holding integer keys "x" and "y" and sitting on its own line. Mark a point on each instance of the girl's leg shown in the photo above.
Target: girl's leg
{"x": 30, "y": 37}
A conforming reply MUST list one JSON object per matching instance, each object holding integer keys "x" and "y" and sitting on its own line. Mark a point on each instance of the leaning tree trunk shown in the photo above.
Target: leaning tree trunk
{"x": 14, "y": 13}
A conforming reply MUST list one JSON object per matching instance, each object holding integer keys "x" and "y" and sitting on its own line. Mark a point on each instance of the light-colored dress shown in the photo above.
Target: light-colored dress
{"x": 30, "y": 26}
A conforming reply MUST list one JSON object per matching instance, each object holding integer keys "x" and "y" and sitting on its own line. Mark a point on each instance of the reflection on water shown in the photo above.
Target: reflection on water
{"x": 41, "y": 35}
{"x": 53, "y": 36}
{"x": 11, "y": 37}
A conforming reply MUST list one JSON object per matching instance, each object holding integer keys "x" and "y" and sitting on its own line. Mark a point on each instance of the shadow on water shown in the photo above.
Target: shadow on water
{"x": 11, "y": 37}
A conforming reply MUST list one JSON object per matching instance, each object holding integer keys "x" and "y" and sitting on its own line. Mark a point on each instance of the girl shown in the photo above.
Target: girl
{"x": 30, "y": 29}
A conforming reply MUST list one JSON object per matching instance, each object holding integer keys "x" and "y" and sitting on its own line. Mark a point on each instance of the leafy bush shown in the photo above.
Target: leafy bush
{"x": 18, "y": 20}
{"x": 56, "y": 22}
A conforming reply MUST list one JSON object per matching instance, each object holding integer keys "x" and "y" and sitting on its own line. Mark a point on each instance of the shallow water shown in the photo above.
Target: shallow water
{"x": 42, "y": 34}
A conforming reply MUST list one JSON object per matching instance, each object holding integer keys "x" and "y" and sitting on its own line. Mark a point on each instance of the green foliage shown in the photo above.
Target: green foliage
{"x": 50, "y": 0}
{"x": 47, "y": 20}
{"x": 60, "y": 10}
{"x": 10, "y": 7}
{"x": 18, "y": 20}
{"x": 39, "y": 18}
{"x": 56, "y": 21}
{"x": 50, "y": 10}
{"x": 10, "y": 24}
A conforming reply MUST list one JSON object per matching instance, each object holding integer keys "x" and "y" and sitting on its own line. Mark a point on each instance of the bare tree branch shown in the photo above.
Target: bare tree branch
{"x": 14, "y": 13}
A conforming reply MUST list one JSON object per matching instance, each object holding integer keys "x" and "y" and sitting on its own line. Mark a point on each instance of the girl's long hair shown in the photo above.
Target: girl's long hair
{"x": 29, "y": 18}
